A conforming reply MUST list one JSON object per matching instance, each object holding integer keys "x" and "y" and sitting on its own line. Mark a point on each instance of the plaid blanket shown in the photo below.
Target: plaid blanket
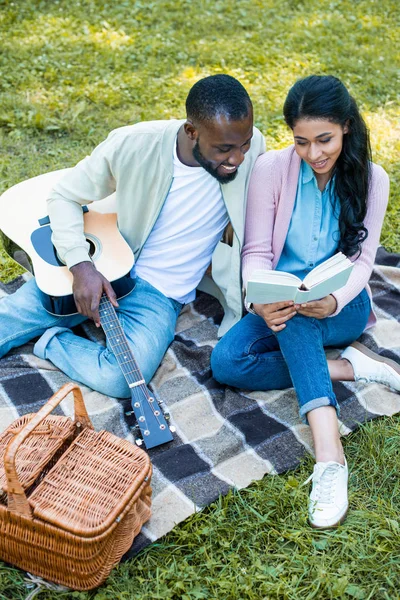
{"x": 224, "y": 437}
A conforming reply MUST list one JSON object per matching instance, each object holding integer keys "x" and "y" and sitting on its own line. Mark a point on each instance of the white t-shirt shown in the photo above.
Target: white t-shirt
{"x": 189, "y": 226}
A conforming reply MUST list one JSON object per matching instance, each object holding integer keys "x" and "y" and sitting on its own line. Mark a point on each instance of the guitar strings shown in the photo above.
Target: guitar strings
{"x": 111, "y": 321}
{"x": 106, "y": 323}
{"x": 137, "y": 399}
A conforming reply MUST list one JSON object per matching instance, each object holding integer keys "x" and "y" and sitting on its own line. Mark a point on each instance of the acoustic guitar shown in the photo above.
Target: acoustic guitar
{"x": 26, "y": 234}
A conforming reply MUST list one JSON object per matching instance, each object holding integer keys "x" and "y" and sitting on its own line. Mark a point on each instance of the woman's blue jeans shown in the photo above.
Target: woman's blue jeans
{"x": 251, "y": 356}
{"x": 146, "y": 315}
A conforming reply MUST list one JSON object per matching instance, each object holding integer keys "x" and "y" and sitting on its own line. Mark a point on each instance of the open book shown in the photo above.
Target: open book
{"x": 265, "y": 287}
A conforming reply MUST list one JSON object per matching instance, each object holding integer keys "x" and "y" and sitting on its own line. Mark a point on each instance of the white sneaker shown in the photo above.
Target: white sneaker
{"x": 328, "y": 502}
{"x": 370, "y": 367}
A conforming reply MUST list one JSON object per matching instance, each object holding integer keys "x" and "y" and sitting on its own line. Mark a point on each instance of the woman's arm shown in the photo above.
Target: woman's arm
{"x": 260, "y": 217}
{"x": 363, "y": 265}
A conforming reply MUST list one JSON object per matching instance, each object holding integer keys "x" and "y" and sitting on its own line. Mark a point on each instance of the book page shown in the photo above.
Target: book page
{"x": 276, "y": 277}
{"x": 337, "y": 263}
{"x": 328, "y": 286}
{"x": 265, "y": 287}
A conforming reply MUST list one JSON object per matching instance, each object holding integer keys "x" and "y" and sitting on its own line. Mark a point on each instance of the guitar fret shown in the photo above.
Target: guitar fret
{"x": 132, "y": 366}
{"x": 131, "y": 372}
{"x": 119, "y": 344}
{"x": 115, "y": 336}
{"x": 120, "y": 353}
{"x": 151, "y": 422}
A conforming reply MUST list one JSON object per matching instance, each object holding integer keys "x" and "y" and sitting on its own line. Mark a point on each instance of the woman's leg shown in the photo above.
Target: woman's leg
{"x": 302, "y": 344}
{"x": 328, "y": 499}
{"x": 251, "y": 356}
{"x": 323, "y": 422}
{"x": 342, "y": 330}
{"x": 357, "y": 363}
{"x": 248, "y": 357}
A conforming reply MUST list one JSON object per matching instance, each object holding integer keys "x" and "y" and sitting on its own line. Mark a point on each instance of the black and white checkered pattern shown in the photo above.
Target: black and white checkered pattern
{"x": 224, "y": 437}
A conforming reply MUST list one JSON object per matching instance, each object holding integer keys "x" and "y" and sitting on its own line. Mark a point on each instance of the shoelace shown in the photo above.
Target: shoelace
{"x": 325, "y": 483}
{"x": 381, "y": 376}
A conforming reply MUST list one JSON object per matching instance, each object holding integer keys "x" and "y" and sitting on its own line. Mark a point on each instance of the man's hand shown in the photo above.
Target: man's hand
{"x": 276, "y": 314}
{"x": 88, "y": 287}
{"x": 319, "y": 309}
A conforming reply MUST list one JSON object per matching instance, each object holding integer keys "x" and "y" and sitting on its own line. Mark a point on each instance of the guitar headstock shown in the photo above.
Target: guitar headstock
{"x": 152, "y": 422}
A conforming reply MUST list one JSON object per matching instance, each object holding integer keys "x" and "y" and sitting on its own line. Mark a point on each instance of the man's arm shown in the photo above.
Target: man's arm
{"x": 92, "y": 179}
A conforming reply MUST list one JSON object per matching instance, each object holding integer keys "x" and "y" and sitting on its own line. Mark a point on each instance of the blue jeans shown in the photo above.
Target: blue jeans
{"x": 146, "y": 315}
{"x": 253, "y": 357}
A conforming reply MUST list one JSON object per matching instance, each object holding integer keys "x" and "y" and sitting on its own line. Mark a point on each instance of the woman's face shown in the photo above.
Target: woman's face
{"x": 319, "y": 143}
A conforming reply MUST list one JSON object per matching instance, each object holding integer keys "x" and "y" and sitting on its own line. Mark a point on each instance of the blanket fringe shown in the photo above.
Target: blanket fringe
{"x": 41, "y": 584}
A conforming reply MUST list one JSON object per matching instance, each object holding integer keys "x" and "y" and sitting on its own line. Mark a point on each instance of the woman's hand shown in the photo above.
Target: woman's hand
{"x": 319, "y": 309}
{"x": 276, "y": 314}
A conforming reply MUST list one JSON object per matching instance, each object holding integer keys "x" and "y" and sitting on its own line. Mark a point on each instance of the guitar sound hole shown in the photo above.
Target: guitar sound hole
{"x": 92, "y": 247}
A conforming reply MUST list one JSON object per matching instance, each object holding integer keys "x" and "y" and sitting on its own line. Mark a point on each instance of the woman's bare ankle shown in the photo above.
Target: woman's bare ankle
{"x": 341, "y": 369}
{"x": 335, "y": 454}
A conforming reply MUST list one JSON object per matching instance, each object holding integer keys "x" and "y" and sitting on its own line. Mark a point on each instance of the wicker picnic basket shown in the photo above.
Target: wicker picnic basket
{"x": 71, "y": 499}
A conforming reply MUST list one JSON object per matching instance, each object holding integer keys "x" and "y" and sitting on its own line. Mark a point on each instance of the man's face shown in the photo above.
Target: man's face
{"x": 220, "y": 145}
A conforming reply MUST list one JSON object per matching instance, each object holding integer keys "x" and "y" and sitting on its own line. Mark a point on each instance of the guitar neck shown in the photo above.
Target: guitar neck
{"x": 119, "y": 344}
{"x": 151, "y": 421}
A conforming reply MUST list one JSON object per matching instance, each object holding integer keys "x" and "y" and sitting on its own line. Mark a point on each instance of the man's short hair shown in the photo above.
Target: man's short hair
{"x": 218, "y": 95}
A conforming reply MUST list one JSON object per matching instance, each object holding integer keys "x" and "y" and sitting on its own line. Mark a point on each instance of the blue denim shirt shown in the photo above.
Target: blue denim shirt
{"x": 313, "y": 233}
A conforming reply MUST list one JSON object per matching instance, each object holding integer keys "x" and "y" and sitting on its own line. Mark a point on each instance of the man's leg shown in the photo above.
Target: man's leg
{"x": 22, "y": 318}
{"x": 148, "y": 319}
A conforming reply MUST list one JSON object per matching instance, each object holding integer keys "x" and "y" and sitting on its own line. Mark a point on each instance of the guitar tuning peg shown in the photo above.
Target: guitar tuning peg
{"x": 172, "y": 429}
{"x": 139, "y": 442}
{"x": 129, "y": 413}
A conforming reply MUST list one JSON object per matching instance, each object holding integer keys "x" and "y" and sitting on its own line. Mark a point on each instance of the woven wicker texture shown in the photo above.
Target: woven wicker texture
{"x": 104, "y": 472}
{"x": 77, "y": 521}
{"x": 38, "y": 452}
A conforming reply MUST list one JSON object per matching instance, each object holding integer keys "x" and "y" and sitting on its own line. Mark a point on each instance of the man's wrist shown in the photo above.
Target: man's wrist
{"x": 83, "y": 265}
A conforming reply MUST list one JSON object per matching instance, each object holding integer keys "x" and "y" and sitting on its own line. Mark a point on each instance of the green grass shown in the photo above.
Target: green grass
{"x": 256, "y": 543}
{"x": 72, "y": 71}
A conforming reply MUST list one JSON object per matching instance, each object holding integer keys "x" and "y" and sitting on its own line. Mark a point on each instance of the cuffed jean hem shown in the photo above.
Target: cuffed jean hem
{"x": 39, "y": 348}
{"x": 317, "y": 403}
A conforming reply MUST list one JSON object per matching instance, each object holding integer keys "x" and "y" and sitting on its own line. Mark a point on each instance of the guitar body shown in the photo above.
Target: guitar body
{"x": 26, "y": 234}
{"x": 29, "y": 242}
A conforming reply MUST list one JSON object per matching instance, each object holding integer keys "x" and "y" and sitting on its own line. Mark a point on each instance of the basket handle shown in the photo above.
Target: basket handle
{"x": 17, "y": 500}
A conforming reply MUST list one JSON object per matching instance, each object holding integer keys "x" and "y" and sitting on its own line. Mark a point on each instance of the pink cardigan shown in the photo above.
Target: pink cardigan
{"x": 272, "y": 193}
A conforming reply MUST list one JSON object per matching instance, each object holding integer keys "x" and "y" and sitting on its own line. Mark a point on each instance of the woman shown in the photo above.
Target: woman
{"x": 305, "y": 203}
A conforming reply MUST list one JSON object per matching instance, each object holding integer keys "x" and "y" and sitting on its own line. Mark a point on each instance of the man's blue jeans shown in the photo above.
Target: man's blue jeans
{"x": 251, "y": 356}
{"x": 146, "y": 315}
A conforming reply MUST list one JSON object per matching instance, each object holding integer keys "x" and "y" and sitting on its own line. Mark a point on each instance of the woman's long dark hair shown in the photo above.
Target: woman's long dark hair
{"x": 325, "y": 97}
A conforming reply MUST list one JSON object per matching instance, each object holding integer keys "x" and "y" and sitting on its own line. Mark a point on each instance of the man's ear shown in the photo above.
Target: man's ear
{"x": 190, "y": 130}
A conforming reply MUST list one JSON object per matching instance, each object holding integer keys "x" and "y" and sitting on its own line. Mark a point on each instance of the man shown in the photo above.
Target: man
{"x": 178, "y": 184}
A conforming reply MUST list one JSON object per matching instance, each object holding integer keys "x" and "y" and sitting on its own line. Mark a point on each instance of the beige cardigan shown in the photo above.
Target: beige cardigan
{"x": 136, "y": 162}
